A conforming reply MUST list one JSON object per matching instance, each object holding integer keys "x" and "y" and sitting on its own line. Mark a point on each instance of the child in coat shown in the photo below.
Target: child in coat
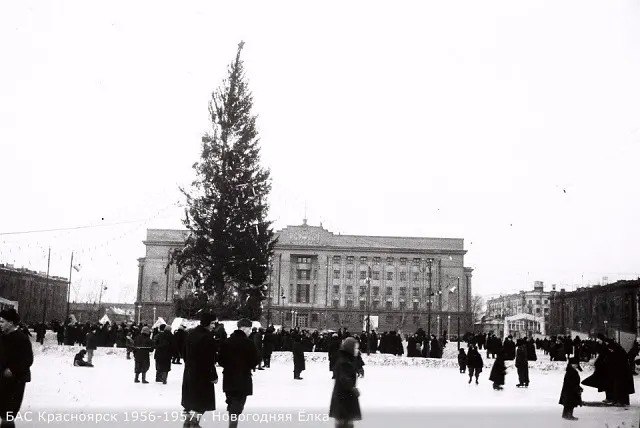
{"x": 462, "y": 360}
{"x": 79, "y": 361}
{"x": 571, "y": 395}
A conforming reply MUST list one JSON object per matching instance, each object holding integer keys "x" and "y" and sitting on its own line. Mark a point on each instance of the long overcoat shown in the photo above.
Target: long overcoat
{"x": 238, "y": 356}
{"x": 344, "y": 399}
{"x": 198, "y": 391}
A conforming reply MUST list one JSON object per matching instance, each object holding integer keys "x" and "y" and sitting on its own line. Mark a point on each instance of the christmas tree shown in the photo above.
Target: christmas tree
{"x": 230, "y": 242}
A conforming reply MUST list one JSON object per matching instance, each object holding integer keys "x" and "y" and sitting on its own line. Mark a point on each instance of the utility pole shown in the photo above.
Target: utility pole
{"x": 368, "y": 310}
{"x": 458, "y": 312}
{"x": 269, "y": 293}
{"x": 429, "y": 263}
{"x": 46, "y": 288}
{"x": 69, "y": 286}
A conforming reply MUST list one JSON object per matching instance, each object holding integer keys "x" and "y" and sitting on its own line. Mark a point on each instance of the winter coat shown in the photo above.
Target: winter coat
{"x": 334, "y": 345}
{"x": 435, "y": 350}
{"x": 531, "y": 351}
{"x": 92, "y": 341}
{"x": 238, "y": 356}
{"x": 571, "y": 394}
{"x": 474, "y": 360}
{"x": 163, "y": 344}
{"x": 498, "y": 371}
{"x": 179, "y": 338}
{"x": 16, "y": 354}
{"x": 600, "y": 378}
{"x": 344, "y": 399}
{"x": 198, "y": 392}
{"x": 462, "y": 359}
{"x": 522, "y": 364}
{"x": 509, "y": 349}
{"x": 143, "y": 347}
{"x": 269, "y": 344}
{"x": 298, "y": 357}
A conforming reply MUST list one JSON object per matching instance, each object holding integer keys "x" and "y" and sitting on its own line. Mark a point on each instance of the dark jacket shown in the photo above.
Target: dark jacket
{"x": 163, "y": 344}
{"x": 474, "y": 360}
{"x": 143, "y": 347}
{"x": 334, "y": 345}
{"x": 509, "y": 349}
{"x": 198, "y": 392}
{"x": 344, "y": 399}
{"x": 238, "y": 356}
{"x": 298, "y": 356}
{"x": 571, "y": 395}
{"x": 92, "y": 341}
{"x": 498, "y": 371}
{"x": 462, "y": 358}
{"x": 16, "y": 354}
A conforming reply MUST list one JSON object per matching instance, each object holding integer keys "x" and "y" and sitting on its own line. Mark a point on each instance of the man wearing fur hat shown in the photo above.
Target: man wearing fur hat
{"x": 238, "y": 357}
{"x": 16, "y": 358}
{"x": 142, "y": 348}
{"x": 200, "y": 375}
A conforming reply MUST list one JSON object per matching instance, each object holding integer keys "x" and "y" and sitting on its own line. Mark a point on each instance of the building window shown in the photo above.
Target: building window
{"x": 389, "y": 276}
{"x": 376, "y": 260}
{"x": 389, "y": 291}
{"x": 416, "y": 276}
{"x": 314, "y": 317}
{"x": 347, "y": 318}
{"x": 537, "y": 310}
{"x": 349, "y": 304}
{"x": 388, "y": 305}
{"x": 546, "y": 302}
{"x": 335, "y": 304}
{"x": 403, "y": 306}
{"x": 537, "y": 302}
{"x": 389, "y": 318}
{"x": 376, "y": 275}
{"x": 336, "y": 289}
{"x": 403, "y": 276}
{"x": 376, "y": 304}
{"x": 363, "y": 259}
{"x": 389, "y": 260}
{"x": 403, "y": 291}
{"x": 302, "y": 293}
{"x": 349, "y": 275}
{"x": 416, "y": 261}
{"x": 416, "y": 320}
{"x": 336, "y": 274}
{"x": 336, "y": 318}
{"x": 403, "y": 261}
{"x": 363, "y": 274}
{"x": 336, "y": 260}
{"x": 363, "y": 290}
{"x": 349, "y": 260}
{"x": 376, "y": 291}
{"x": 416, "y": 306}
{"x": 546, "y": 310}
{"x": 349, "y": 289}
{"x": 416, "y": 291}
{"x": 363, "y": 304}
{"x": 304, "y": 274}
{"x": 304, "y": 260}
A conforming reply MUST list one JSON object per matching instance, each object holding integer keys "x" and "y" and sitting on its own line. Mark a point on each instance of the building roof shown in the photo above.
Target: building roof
{"x": 316, "y": 236}
{"x": 25, "y": 271}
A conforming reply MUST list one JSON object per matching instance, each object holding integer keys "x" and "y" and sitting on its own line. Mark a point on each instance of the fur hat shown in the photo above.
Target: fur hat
{"x": 10, "y": 315}
{"x": 145, "y": 330}
{"x": 349, "y": 345}
{"x": 244, "y": 322}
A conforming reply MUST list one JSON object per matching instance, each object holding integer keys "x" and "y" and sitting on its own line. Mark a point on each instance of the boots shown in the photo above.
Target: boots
{"x": 470, "y": 378}
{"x": 144, "y": 378}
{"x": 476, "y": 380}
{"x": 136, "y": 380}
{"x": 164, "y": 377}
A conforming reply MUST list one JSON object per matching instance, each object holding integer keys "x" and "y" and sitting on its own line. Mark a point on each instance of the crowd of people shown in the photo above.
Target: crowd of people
{"x": 249, "y": 349}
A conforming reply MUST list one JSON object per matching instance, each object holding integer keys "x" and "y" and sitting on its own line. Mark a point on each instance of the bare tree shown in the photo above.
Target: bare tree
{"x": 477, "y": 308}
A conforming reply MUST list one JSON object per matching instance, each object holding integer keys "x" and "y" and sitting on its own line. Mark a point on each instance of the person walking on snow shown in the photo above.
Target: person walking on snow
{"x": 475, "y": 363}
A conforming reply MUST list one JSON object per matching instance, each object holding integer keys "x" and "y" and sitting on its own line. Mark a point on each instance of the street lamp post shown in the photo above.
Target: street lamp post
{"x": 154, "y": 314}
{"x": 458, "y": 312}
{"x": 368, "y": 281}
{"x": 139, "y": 312}
{"x": 429, "y": 264}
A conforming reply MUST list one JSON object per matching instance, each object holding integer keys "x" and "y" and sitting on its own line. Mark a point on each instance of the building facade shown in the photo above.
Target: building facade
{"x": 39, "y": 298}
{"x": 535, "y": 302}
{"x": 609, "y": 309}
{"x": 322, "y": 280}
{"x": 93, "y": 312}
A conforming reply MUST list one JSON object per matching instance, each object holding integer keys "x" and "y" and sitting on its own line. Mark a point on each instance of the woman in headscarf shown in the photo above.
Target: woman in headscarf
{"x": 345, "y": 407}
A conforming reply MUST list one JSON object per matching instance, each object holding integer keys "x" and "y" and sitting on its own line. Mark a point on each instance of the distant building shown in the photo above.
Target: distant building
{"x": 36, "y": 301}
{"x": 535, "y": 302}
{"x": 318, "y": 280}
{"x": 609, "y": 309}
{"x": 93, "y": 312}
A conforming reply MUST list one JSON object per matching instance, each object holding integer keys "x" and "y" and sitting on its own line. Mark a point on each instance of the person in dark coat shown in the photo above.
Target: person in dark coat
{"x": 200, "y": 375}
{"x": 498, "y": 372}
{"x": 601, "y": 377}
{"x": 345, "y": 407}
{"x": 333, "y": 348}
{"x": 130, "y": 345}
{"x": 621, "y": 375}
{"x": 60, "y": 335}
{"x": 298, "y": 357}
{"x": 435, "y": 351}
{"x": 509, "y": 349}
{"x": 92, "y": 343}
{"x": 571, "y": 394}
{"x": 531, "y": 350}
{"x": 238, "y": 357}
{"x": 522, "y": 365}
{"x": 179, "y": 338}
{"x": 143, "y": 346}
{"x": 257, "y": 340}
{"x": 462, "y": 360}
{"x": 16, "y": 358}
{"x": 475, "y": 363}
{"x": 78, "y": 360}
{"x": 163, "y": 344}
{"x": 269, "y": 344}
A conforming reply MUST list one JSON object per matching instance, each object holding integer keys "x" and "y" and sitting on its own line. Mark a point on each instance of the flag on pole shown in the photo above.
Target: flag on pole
{"x": 77, "y": 267}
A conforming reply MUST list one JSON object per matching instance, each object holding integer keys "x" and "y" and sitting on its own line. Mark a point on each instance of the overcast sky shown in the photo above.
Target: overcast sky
{"x": 513, "y": 125}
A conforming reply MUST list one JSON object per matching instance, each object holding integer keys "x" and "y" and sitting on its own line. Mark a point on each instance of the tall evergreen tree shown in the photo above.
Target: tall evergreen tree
{"x": 230, "y": 240}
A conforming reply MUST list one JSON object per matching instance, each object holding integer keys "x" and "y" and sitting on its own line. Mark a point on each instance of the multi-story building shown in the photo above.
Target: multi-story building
{"x": 39, "y": 298}
{"x": 319, "y": 279}
{"x": 610, "y": 309}
{"x": 535, "y": 302}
